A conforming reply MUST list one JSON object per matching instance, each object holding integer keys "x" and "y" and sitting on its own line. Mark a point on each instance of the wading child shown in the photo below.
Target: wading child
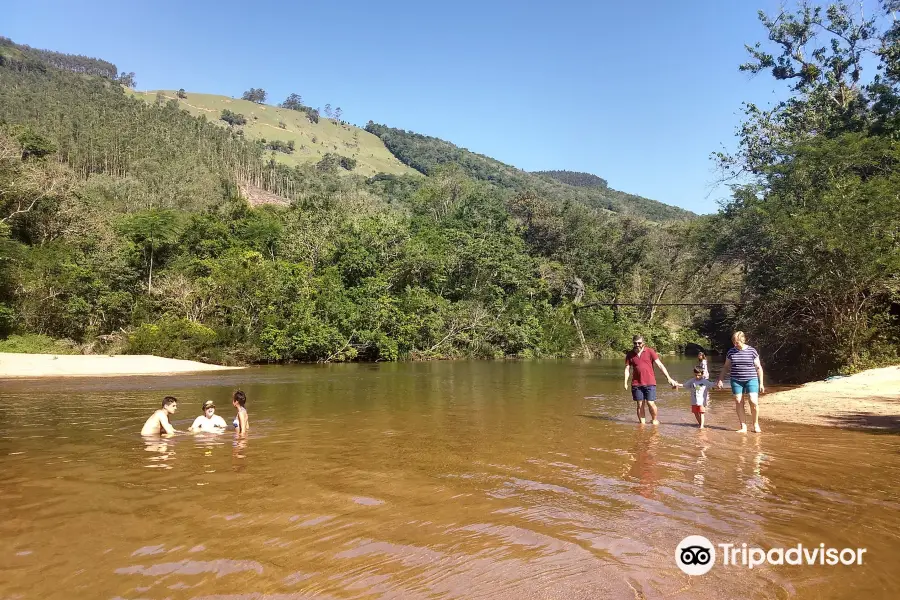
{"x": 699, "y": 387}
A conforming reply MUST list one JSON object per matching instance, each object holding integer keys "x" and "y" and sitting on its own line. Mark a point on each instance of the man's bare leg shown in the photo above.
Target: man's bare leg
{"x": 754, "y": 411}
{"x": 640, "y": 412}
{"x": 652, "y": 406}
{"x": 739, "y": 408}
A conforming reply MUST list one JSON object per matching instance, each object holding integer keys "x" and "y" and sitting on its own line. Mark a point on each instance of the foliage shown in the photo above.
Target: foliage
{"x": 331, "y": 162}
{"x": 127, "y": 79}
{"x": 293, "y": 102}
{"x": 233, "y": 118}
{"x": 36, "y": 344}
{"x": 575, "y": 178}
{"x": 135, "y": 220}
{"x": 814, "y": 221}
{"x": 175, "y": 338}
{"x": 22, "y": 57}
{"x": 427, "y": 154}
{"x": 257, "y": 95}
{"x": 279, "y": 145}
{"x": 181, "y": 93}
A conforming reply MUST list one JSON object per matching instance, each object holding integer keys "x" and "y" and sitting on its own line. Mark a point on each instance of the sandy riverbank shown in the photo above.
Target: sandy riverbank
{"x": 869, "y": 400}
{"x": 28, "y": 366}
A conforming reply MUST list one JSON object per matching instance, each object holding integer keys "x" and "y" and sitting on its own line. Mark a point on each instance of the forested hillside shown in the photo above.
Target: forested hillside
{"x": 125, "y": 227}
{"x": 426, "y": 154}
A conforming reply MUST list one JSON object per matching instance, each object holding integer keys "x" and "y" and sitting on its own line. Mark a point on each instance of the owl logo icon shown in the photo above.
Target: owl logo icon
{"x": 695, "y": 555}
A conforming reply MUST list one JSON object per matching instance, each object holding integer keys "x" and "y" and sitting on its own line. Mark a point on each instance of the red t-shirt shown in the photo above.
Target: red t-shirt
{"x": 642, "y": 366}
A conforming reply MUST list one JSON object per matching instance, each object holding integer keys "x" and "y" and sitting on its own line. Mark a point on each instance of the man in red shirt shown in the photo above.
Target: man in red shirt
{"x": 639, "y": 371}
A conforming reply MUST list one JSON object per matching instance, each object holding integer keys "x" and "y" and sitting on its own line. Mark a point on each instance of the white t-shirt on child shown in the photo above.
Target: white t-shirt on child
{"x": 213, "y": 425}
{"x": 699, "y": 389}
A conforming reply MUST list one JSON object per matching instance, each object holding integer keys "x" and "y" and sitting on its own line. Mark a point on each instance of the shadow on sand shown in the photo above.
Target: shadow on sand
{"x": 866, "y": 421}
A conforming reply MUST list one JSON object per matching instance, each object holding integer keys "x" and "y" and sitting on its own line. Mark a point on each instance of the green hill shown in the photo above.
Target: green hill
{"x": 425, "y": 154}
{"x": 312, "y": 141}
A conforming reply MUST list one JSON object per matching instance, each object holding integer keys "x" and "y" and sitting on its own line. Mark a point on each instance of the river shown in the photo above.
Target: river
{"x": 426, "y": 480}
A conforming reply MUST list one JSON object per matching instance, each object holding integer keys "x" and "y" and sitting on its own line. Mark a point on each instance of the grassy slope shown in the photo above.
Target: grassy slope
{"x": 370, "y": 152}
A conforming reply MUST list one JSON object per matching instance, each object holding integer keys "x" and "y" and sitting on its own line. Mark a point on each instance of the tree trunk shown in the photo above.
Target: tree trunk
{"x": 585, "y": 350}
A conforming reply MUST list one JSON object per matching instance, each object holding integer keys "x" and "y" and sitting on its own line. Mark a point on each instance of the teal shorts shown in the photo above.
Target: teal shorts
{"x": 739, "y": 387}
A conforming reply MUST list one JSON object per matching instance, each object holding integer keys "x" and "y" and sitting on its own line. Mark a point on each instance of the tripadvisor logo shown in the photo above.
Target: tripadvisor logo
{"x": 696, "y": 555}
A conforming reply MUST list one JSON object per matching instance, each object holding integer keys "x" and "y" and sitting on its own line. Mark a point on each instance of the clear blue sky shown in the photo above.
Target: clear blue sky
{"x": 639, "y": 93}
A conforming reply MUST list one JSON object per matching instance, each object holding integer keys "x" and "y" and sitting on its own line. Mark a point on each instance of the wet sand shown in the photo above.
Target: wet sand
{"x": 867, "y": 400}
{"x": 29, "y": 366}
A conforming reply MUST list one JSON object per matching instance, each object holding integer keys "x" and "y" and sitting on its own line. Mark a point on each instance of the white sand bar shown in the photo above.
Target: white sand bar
{"x": 61, "y": 365}
{"x": 867, "y": 400}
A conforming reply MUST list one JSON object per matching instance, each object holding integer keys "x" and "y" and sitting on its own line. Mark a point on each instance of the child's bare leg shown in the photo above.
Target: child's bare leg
{"x": 739, "y": 408}
{"x": 697, "y": 416}
{"x": 702, "y": 420}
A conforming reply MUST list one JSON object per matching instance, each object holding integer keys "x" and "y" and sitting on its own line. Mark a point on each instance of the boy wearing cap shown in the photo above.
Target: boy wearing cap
{"x": 209, "y": 421}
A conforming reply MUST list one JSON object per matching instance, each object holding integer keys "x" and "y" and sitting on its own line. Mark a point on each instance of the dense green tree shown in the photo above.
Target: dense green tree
{"x": 233, "y": 118}
{"x": 153, "y": 232}
{"x": 127, "y": 79}
{"x": 293, "y": 102}
{"x": 813, "y": 223}
{"x": 257, "y": 95}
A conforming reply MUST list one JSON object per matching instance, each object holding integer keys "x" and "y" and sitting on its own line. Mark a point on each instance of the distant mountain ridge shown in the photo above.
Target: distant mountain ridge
{"x": 426, "y": 153}
{"x": 575, "y": 178}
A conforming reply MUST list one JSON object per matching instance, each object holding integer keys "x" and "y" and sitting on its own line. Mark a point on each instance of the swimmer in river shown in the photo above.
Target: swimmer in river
{"x": 158, "y": 423}
{"x": 241, "y": 420}
{"x": 209, "y": 421}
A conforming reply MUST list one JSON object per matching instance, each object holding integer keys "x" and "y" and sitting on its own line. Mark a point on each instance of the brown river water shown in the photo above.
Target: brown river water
{"x": 430, "y": 480}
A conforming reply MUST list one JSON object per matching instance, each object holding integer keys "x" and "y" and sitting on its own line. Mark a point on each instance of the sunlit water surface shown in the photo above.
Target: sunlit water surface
{"x": 432, "y": 480}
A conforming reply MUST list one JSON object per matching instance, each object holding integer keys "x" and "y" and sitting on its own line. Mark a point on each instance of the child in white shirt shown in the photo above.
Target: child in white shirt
{"x": 699, "y": 387}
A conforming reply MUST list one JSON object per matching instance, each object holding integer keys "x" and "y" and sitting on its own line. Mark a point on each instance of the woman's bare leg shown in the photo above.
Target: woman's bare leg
{"x": 739, "y": 408}
{"x": 754, "y": 411}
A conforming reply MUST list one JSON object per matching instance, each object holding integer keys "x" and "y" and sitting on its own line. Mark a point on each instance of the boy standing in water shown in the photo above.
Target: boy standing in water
{"x": 699, "y": 387}
{"x": 158, "y": 423}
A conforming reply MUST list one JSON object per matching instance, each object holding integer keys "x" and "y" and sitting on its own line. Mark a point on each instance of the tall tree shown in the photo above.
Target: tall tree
{"x": 127, "y": 79}
{"x": 293, "y": 102}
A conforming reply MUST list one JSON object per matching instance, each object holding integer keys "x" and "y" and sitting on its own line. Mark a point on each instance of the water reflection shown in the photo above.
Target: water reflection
{"x": 162, "y": 452}
{"x": 645, "y": 442}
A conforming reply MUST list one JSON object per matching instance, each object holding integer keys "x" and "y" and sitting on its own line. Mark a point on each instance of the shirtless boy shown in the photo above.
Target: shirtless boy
{"x": 158, "y": 423}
